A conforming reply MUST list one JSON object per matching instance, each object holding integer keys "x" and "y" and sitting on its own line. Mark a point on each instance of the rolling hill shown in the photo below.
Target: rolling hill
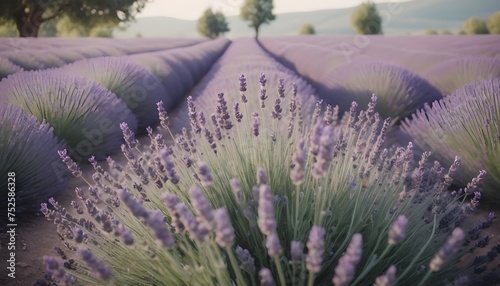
{"x": 411, "y": 17}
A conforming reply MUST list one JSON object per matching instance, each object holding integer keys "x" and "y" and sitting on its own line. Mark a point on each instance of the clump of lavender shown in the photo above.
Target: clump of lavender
{"x": 345, "y": 214}
{"x": 468, "y": 119}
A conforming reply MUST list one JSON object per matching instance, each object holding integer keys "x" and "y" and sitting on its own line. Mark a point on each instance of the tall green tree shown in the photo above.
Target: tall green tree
{"x": 258, "y": 12}
{"x": 307, "y": 29}
{"x": 366, "y": 20}
{"x": 212, "y": 25}
{"x": 493, "y": 23}
{"x": 474, "y": 26}
{"x": 28, "y": 15}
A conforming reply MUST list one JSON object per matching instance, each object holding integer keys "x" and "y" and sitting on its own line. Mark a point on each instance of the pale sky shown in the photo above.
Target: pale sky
{"x": 192, "y": 9}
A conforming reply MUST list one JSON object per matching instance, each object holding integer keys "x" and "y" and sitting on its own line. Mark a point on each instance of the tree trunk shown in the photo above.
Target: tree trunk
{"x": 28, "y": 21}
{"x": 256, "y": 32}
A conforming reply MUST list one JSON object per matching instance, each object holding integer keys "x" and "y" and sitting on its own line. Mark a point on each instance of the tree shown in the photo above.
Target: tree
{"x": 212, "y": 25}
{"x": 307, "y": 29}
{"x": 258, "y": 12}
{"x": 493, "y": 23}
{"x": 28, "y": 15}
{"x": 366, "y": 19}
{"x": 431, "y": 32}
{"x": 474, "y": 26}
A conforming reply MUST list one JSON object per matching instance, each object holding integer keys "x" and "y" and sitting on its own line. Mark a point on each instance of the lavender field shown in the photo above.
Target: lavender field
{"x": 298, "y": 160}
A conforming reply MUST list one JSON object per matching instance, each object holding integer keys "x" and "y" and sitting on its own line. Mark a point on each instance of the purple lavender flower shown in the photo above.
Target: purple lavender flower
{"x": 187, "y": 219}
{"x": 325, "y": 152}
{"x": 137, "y": 209}
{"x": 448, "y": 250}
{"x": 266, "y": 221}
{"x": 344, "y": 272}
{"x": 156, "y": 221}
{"x": 388, "y": 279}
{"x": 236, "y": 187}
{"x": 246, "y": 260}
{"x": 72, "y": 166}
{"x": 281, "y": 88}
{"x": 97, "y": 267}
{"x": 237, "y": 113}
{"x": 243, "y": 83}
{"x": 397, "y": 232}
{"x": 224, "y": 232}
{"x": 297, "y": 252}
{"x": 128, "y": 135}
{"x": 171, "y": 202}
{"x": 207, "y": 180}
{"x": 261, "y": 177}
{"x": 315, "y": 249}
{"x": 162, "y": 115}
{"x": 169, "y": 166}
{"x": 273, "y": 245}
{"x": 54, "y": 267}
{"x": 266, "y": 277}
{"x": 255, "y": 123}
{"x": 202, "y": 206}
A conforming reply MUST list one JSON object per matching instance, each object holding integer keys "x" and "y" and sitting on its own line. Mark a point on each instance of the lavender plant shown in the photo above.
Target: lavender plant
{"x": 7, "y": 67}
{"x": 28, "y": 151}
{"x": 399, "y": 91}
{"x": 453, "y": 74}
{"x": 82, "y": 113}
{"x": 467, "y": 122}
{"x": 242, "y": 200}
{"x": 133, "y": 84}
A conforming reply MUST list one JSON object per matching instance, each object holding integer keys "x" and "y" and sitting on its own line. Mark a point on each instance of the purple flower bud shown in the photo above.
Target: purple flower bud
{"x": 205, "y": 175}
{"x": 281, "y": 88}
{"x": 235, "y": 185}
{"x": 325, "y": 152}
{"x": 255, "y": 123}
{"x": 261, "y": 177}
{"x": 128, "y": 135}
{"x": 246, "y": 260}
{"x": 237, "y": 113}
{"x": 266, "y": 277}
{"x": 448, "y": 250}
{"x": 224, "y": 232}
{"x": 266, "y": 221}
{"x": 97, "y": 267}
{"x": 162, "y": 115}
{"x": 187, "y": 219}
{"x": 169, "y": 166}
{"x": 156, "y": 221}
{"x": 397, "y": 232}
{"x": 297, "y": 252}
{"x": 202, "y": 206}
{"x": 79, "y": 235}
{"x": 344, "y": 272}
{"x": 72, "y": 166}
{"x": 273, "y": 245}
{"x": 243, "y": 83}
{"x": 388, "y": 279}
{"x": 137, "y": 209}
{"x": 315, "y": 249}
{"x": 472, "y": 186}
{"x": 54, "y": 267}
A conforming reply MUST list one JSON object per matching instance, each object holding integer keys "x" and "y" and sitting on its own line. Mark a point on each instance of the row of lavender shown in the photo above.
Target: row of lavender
{"x": 29, "y": 54}
{"x": 80, "y": 107}
{"x": 260, "y": 187}
{"x": 408, "y": 74}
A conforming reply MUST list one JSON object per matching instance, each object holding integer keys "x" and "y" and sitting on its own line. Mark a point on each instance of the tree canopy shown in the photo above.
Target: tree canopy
{"x": 366, "y": 20}
{"x": 212, "y": 24}
{"x": 475, "y": 25}
{"x": 28, "y": 15}
{"x": 258, "y": 12}
{"x": 307, "y": 29}
{"x": 493, "y": 23}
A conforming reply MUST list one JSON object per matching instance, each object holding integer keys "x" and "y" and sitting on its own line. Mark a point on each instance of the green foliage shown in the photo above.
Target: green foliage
{"x": 493, "y": 23}
{"x": 257, "y": 12}
{"x": 29, "y": 15}
{"x": 275, "y": 187}
{"x": 8, "y": 30}
{"x": 307, "y": 29}
{"x": 366, "y": 20}
{"x": 212, "y": 25}
{"x": 475, "y": 26}
{"x": 431, "y": 32}
{"x": 66, "y": 27}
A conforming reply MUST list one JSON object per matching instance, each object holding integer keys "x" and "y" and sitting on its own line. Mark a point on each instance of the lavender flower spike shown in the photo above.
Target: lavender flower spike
{"x": 266, "y": 221}
{"x": 202, "y": 206}
{"x": 207, "y": 180}
{"x": 273, "y": 245}
{"x": 344, "y": 272}
{"x": 169, "y": 166}
{"x": 316, "y": 248}
{"x": 156, "y": 221}
{"x": 388, "y": 279}
{"x": 162, "y": 115}
{"x": 296, "y": 251}
{"x": 98, "y": 267}
{"x": 224, "y": 231}
{"x": 246, "y": 260}
{"x": 72, "y": 166}
{"x": 397, "y": 232}
{"x": 54, "y": 267}
{"x": 449, "y": 249}
{"x": 299, "y": 160}
{"x": 128, "y": 135}
{"x": 266, "y": 278}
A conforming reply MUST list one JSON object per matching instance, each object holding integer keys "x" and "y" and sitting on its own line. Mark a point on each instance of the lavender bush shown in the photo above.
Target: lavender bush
{"x": 399, "y": 91}
{"x": 82, "y": 113}
{"x": 28, "y": 149}
{"x": 465, "y": 123}
{"x": 243, "y": 198}
{"x": 453, "y": 74}
{"x": 7, "y": 68}
{"x": 133, "y": 84}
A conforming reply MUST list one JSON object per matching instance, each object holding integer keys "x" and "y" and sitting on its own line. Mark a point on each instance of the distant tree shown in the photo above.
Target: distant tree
{"x": 67, "y": 28}
{"x": 431, "y": 32}
{"x": 8, "y": 31}
{"x": 307, "y": 29}
{"x": 138, "y": 35}
{"x": 475, "y": 25}
{"x": 258, "y": 12}
{"x": 446, "y": 32}
{"x": 366, "y": 20}
{"x": 493, "y": 23}
{"x": 28, "y": 15}
{"x": 212, "y": 25}
{"x": 48, "y": 29}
